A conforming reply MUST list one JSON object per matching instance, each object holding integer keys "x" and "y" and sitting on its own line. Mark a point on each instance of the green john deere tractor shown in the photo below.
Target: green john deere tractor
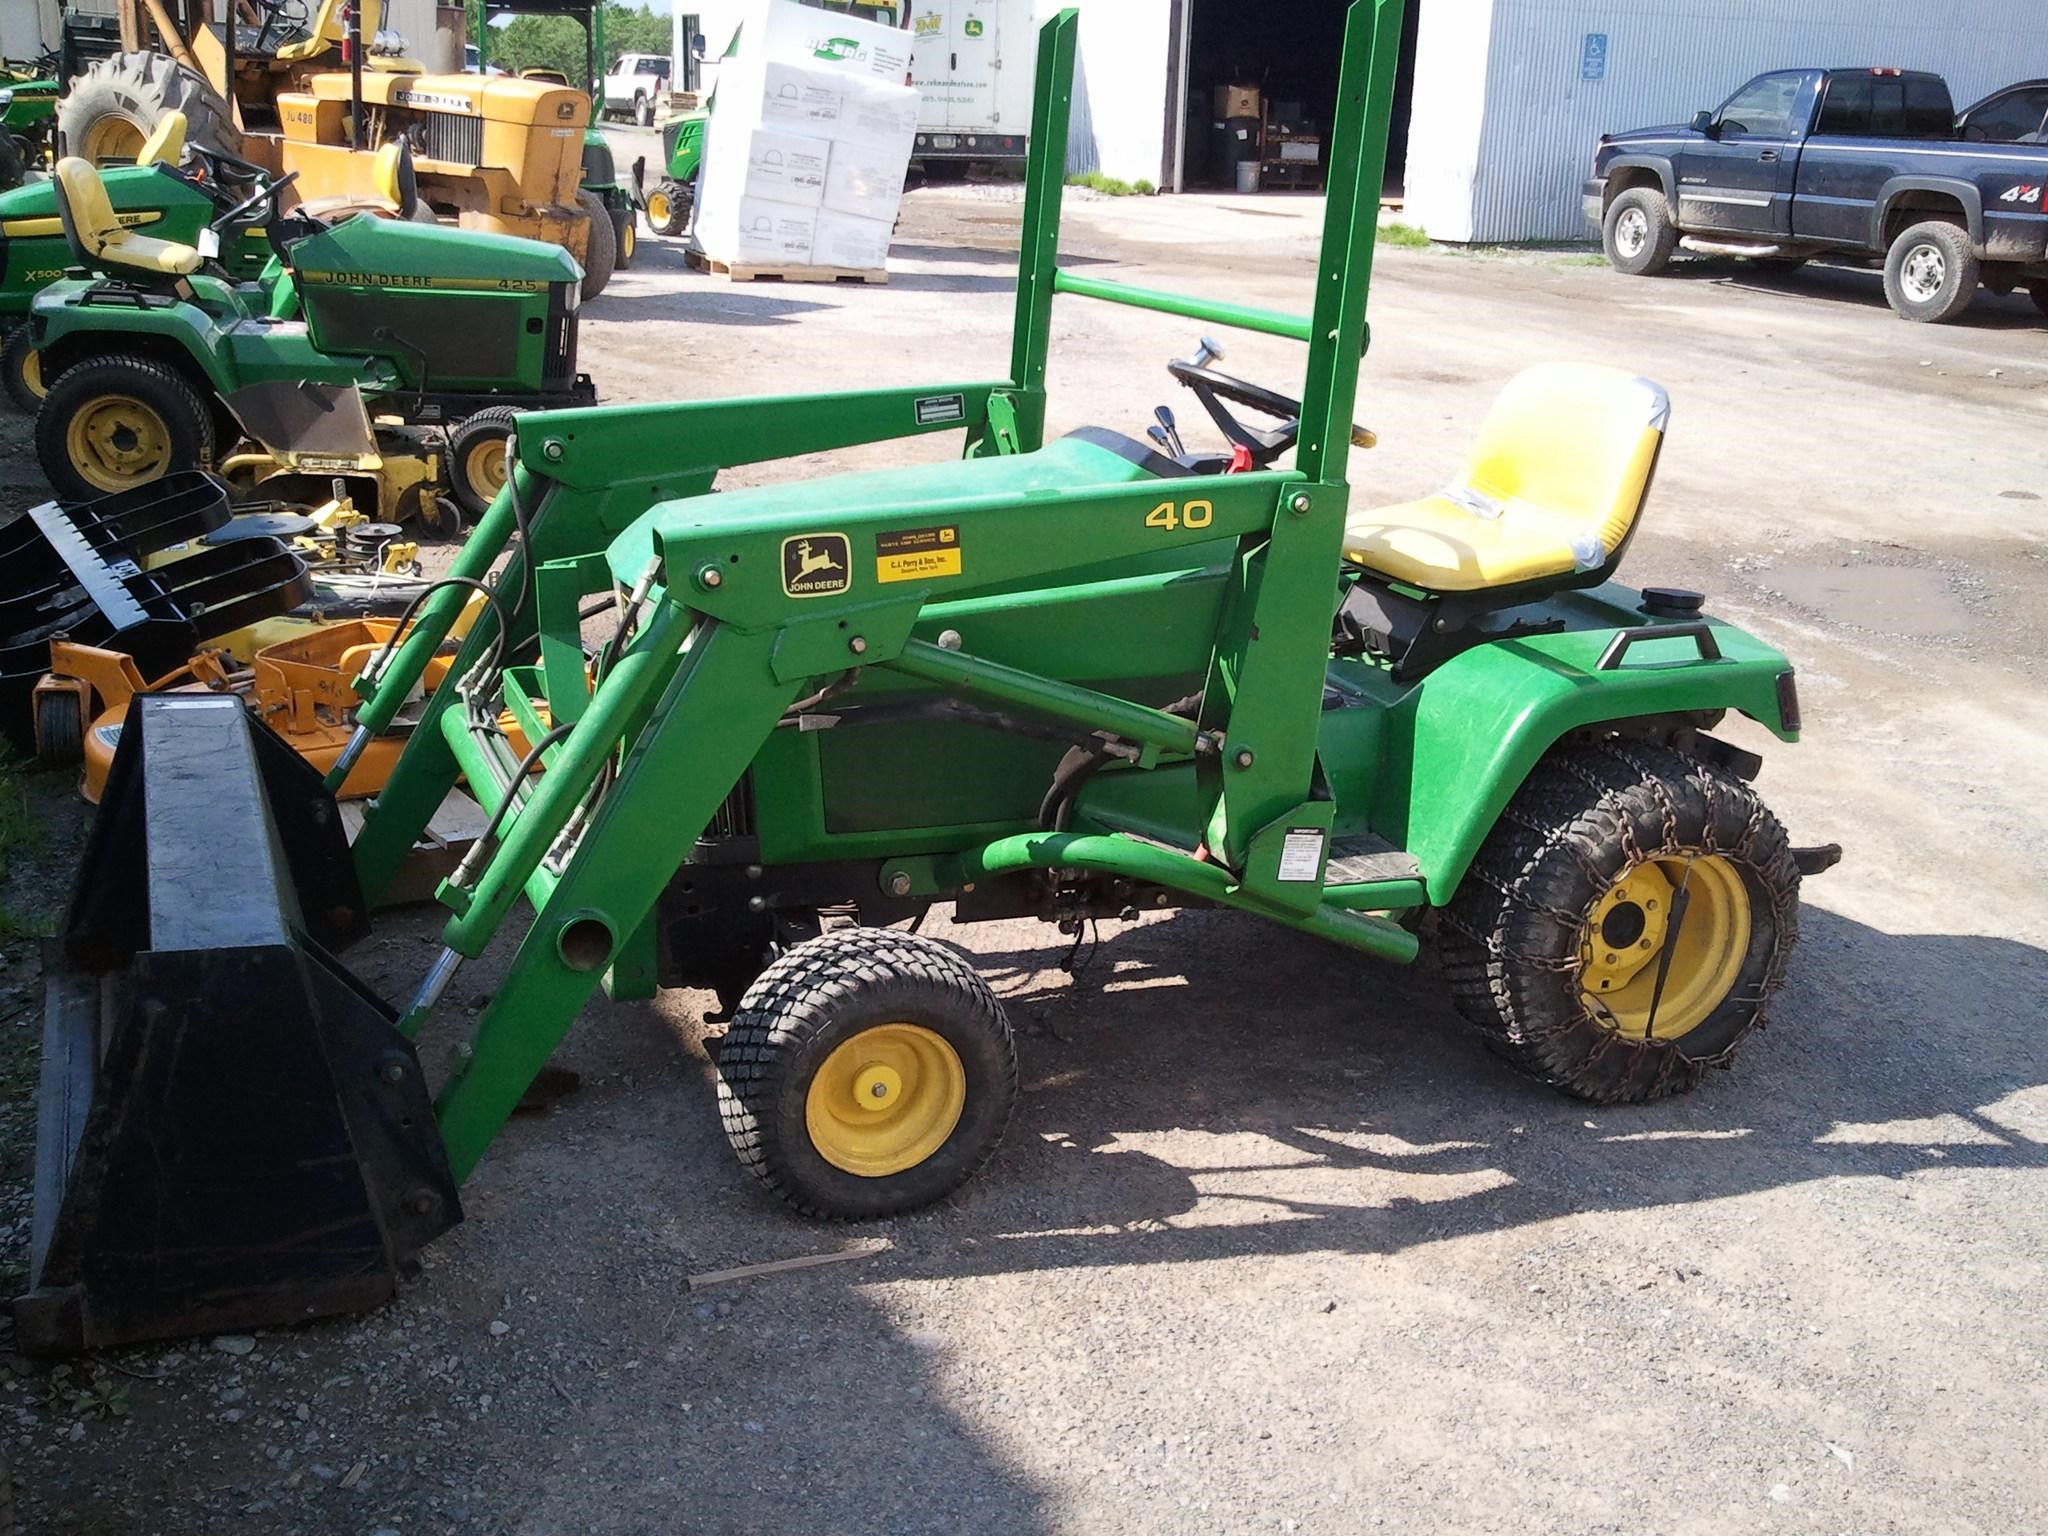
{"x": 164, "y": 362}
{"x": 668, "y": 203}
{"x": 28, "y": 117}
{"x": 1059, "y": 678}
{"x": 155, "y": 195}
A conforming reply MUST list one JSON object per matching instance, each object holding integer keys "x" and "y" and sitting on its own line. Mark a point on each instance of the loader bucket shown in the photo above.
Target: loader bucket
{"x": 231, "y": 1132}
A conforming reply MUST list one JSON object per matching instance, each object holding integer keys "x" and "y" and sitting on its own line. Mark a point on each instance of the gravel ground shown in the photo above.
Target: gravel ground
{"x": 1272, "y": 1244}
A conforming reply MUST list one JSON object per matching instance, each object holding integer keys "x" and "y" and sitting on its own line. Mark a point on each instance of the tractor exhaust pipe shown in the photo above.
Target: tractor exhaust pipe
{"x": 231, "y": 1131}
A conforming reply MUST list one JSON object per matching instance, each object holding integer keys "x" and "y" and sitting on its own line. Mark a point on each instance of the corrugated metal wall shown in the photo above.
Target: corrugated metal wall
{"x": 1662, "y": 61}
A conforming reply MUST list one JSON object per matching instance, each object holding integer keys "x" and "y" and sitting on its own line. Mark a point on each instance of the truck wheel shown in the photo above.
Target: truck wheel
{"x": 643, "y": 111}
{"x": 480, "y": 458}
{"x": 115, "y": 105}
{"x": 1931, "y": 273}
{"x": 1555, "y": 942}
{"x": 668, "y": 207}
{"x": 2038, "y": 292}
{"x": 867, "y": 1072}
{"x": 117, "y": 423}
{"x": 21, "y": 369}
{"x": 1638, "y": 234}
{"x": 601, "y": 250}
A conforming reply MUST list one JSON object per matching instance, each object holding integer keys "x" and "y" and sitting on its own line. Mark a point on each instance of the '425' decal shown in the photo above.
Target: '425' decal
{"x": 2021, "y": 194}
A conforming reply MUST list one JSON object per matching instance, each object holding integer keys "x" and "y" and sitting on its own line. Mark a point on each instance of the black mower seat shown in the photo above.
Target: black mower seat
{"x": 1550, "y": 493}
{"x": 97, "y": 236}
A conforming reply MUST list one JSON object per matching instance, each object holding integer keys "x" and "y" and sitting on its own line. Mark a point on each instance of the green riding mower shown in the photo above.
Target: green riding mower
{"x": 669, "y": 201}
{"x": 1062, "y": 678}
{"x": 372, "y": 338}
{"x": 28, "y": 117}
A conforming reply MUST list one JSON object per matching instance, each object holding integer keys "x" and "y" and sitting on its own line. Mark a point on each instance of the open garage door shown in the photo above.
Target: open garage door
{"x": 1260, "y": 86}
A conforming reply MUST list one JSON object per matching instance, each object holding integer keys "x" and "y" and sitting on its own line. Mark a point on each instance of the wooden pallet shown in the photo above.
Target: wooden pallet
{"x": 748, "y": 274}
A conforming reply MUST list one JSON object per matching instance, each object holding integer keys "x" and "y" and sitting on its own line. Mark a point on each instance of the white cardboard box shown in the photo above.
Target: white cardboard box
{"x": 845, "y": 240}
{"x": 782, "y": 167}
{"x": 865, "y": 181}
{"x": 878, "y": 113}
{"x": 792, "y": 97}
{"x": 783, "y": 30}
{"x": 752, "y": 231}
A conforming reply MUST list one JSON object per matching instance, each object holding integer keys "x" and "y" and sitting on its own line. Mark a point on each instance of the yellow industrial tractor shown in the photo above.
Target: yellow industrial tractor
{"x": 315, "y": 89}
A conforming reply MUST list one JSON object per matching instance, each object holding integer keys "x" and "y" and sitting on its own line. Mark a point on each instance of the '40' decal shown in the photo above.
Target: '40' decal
{"x": 2021, "y": 194}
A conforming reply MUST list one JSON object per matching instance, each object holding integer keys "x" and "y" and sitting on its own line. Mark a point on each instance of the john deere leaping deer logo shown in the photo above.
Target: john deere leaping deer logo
{"x": 816, "y": 565}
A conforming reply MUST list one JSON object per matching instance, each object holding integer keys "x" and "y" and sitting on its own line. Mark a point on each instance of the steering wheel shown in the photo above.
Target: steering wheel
{"x": 1213, "y": 388}
{"x": 255, "y": 200}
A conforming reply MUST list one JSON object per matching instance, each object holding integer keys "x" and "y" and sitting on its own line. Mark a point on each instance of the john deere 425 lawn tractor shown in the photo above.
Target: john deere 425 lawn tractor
{"x": 1057, "y": 677}
{"x": 163, "y": 362}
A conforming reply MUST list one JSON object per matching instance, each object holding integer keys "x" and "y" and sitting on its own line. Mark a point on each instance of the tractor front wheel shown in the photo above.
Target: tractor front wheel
{"x": 625, "y": 239}
{"x": 480, "y": 458}
{"x": 600, "y": 251}
{"x": 1626, "y": 922}
{"x": 867, "y": 1072}
{"x": 119, "y": 422}
{"x": 668, "y": 207}
{"x": 21, "y": 369}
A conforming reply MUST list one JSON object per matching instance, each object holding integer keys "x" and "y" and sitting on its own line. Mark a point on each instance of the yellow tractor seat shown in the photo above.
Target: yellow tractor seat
{"x": 97, "y": 235}
{"x": 1549, "y": 495}
{"x": 166, "y": 143}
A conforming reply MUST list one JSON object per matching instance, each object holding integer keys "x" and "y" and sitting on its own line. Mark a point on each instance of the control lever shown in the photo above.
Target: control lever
{"x": 1164, "y": 415}
{"x": 1207, "y": 352}
{"x": 1158, "y": 435}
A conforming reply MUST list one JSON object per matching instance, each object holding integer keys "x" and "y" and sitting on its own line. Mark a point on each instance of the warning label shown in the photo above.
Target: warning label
{"x": 917, "y": 554}
{"x": 1301, "y": 854}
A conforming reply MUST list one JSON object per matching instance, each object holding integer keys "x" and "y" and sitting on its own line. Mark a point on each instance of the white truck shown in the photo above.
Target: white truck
{"x": 973, "y": 64}
{"x": 636, "y": 86}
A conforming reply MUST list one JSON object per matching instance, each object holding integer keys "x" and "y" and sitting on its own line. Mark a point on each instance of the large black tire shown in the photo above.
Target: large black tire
{"x": 1571, "y": 882}
{"x": 859, "y": 1014}
{"x": 21, "y": 370}
{"x": 602, "y": 253}
{"x": 1637, "y": 234}
{"x": 115, "y": 104}
{"x": 478, "y": 458}
{"x": 13, "y": 163}
{"x": 669, "y": 205}
{"x": 643, "y": 110}
{"x": 1930, "y": 273}
{"x": 118, "y": 422}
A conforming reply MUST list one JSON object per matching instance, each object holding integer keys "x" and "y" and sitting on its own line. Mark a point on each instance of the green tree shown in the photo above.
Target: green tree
{"x": 556, "y": 42}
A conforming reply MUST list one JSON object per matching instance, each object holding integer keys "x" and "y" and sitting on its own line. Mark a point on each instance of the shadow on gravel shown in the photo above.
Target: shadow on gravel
{"x": 1853, "y": 285}
{"x": 740, "y": 304}
{"x": 1304, "y": 1069}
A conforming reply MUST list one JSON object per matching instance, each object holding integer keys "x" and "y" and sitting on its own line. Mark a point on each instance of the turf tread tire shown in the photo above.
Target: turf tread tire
{"x": 493, "y": 421}
{"x": 16, "y": 348}
{"x": 601, "y": 252}
{"x": 167, "y": 391}
{"x": 803, "y": 1006}
{"x": 1510, "y": 957}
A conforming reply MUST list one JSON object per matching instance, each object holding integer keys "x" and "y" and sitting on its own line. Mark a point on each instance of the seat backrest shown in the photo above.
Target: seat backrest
{"x": 394, "y": 178}
{"x": 166, "y": 144}
{"x": 1578, "y": 439}
{"x": 84, "y": 209}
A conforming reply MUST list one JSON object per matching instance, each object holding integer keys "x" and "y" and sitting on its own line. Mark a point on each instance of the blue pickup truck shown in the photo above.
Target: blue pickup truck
{"x": 1809, "y": 162}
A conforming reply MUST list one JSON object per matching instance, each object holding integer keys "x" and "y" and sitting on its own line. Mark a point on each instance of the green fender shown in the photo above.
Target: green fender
{"x": 1458, "y": 745}
{"x": 181, "y": 330}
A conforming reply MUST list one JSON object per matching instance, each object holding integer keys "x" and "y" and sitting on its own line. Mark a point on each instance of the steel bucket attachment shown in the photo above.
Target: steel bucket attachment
{"x": 231, "y": 1132}
{"x": 81, "y": 573}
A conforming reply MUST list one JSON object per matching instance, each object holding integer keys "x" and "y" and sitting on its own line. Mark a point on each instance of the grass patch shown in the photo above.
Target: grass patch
{"x": 1112, "y": 186}
{"x": 1405, "y": 235}
{"x": 1582, "y": 261}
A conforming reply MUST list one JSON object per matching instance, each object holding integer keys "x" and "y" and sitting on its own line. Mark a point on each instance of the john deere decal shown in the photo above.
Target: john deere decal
{"x": 816, "y": 565}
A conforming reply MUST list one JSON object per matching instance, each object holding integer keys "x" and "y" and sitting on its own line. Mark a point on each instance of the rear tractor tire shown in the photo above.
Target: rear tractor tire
{"x": 601, "y": 251}
{"x": 479, "y": 458}
{"x": 1625, "y": 924}
{"x": 21, "y": 369}
{"x": 867, "y": 1072}
{"x": 1638, "y": 235}
{"x": 114, "y": 423}
{"x": 115, "y": 105}
{"x": 1931, "y": 274}
{"x": 668, "y": 206}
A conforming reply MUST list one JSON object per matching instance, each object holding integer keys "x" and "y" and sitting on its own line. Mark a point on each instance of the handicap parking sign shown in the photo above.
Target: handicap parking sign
{"x": 1593, "y": 61}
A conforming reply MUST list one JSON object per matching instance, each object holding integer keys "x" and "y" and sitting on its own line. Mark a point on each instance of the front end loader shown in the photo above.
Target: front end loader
{"x": 1071, "y": 677}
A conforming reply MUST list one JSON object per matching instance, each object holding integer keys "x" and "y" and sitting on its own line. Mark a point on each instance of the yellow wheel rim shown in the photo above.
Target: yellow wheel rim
{"x": 1629, "y": 928}
{"x": 484, "y": 467}
{"x": 112, "y": 138}
{"x": 32, "y": 374}
{"x": 116, "y": 441}
{"x": 885, "y": 1100}
{"x": 657, "y": 209}
{"x": 631, "y": 237}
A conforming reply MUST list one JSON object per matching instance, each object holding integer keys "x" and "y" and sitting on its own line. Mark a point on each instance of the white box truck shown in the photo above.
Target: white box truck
{"x": 972, "y": 64}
